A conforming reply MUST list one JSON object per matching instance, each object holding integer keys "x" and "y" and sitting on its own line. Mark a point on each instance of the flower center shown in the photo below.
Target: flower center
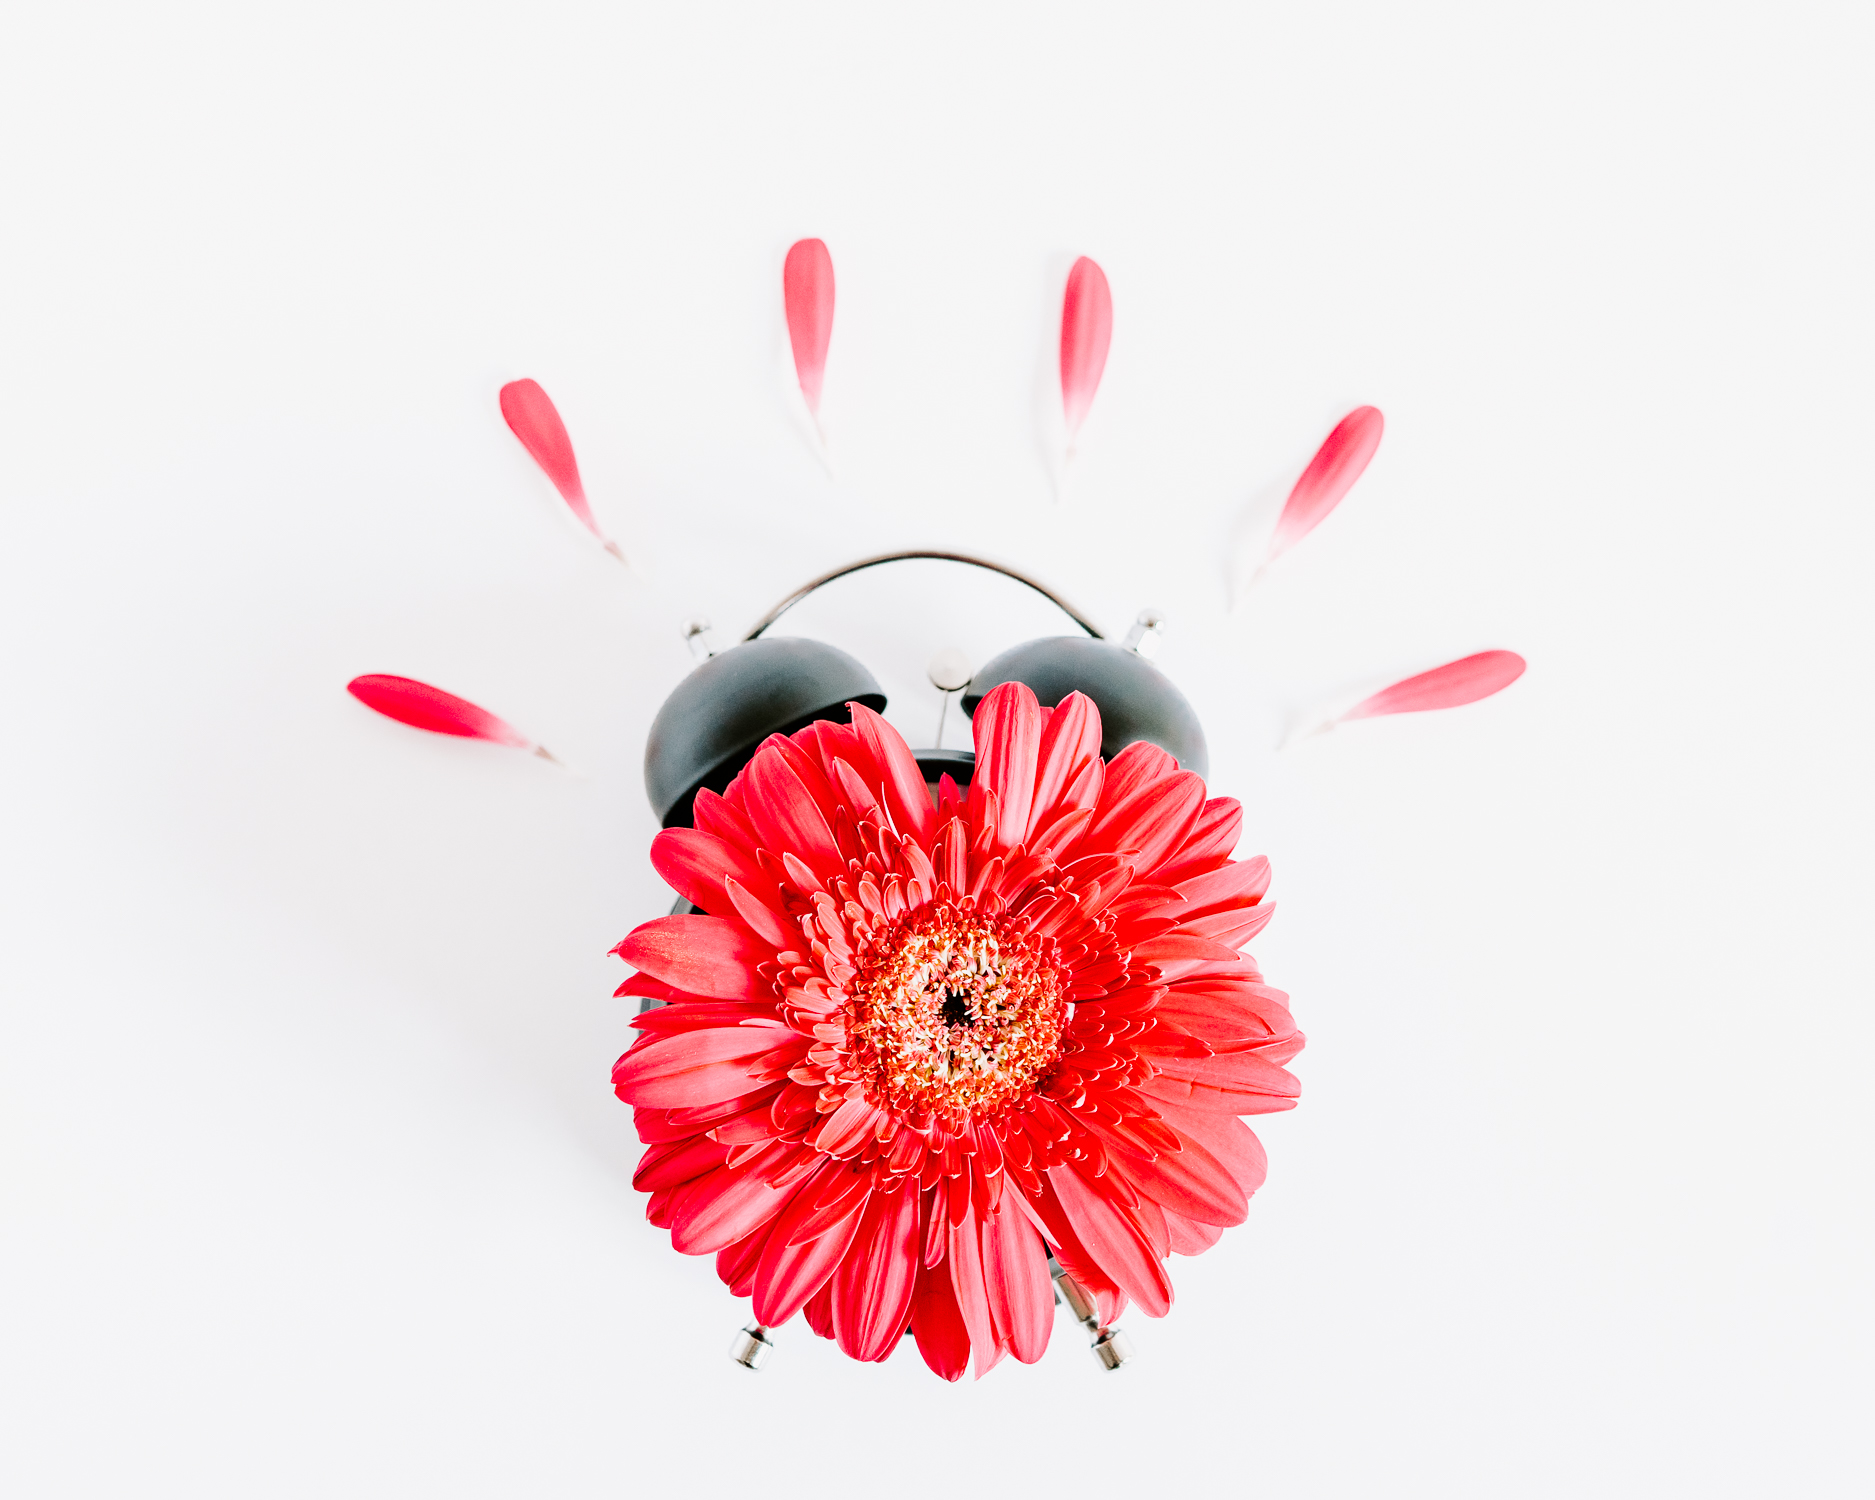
{"x": 952, "y": 1014}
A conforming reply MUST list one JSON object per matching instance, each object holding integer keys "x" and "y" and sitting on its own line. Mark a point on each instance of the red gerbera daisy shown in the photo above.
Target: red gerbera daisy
{"x": 911, "y": 1051}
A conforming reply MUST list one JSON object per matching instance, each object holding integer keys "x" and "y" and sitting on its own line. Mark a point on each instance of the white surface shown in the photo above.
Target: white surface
{"x": 314, "y": 1184}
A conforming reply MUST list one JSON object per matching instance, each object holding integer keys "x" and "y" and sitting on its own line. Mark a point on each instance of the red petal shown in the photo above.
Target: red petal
{"x": 1231, "y": 929}
{"x": 1234, "y": 885}
{"x": 831, "y": 742}
{"x": 1177, "y": 954}
{"x": 1149, "y": 1219}
{"x": 672, "y": 1163}
{"x": 973, "y": 1301}
{"x": 722, "y": 819}
{"x": 841, "y": 1192}
{"x": 1330, "y": 475}
{"x": 855, "y": 793}
{"x": 1055, "y": 1226}
{"x": 1265, "y": 1006}
{"x": 785, "y": 815}
{"x": 764, "y": 921}
{"x": 950, "y": 855}
{"x": 1279, "y": 1049}
{"x": 1194, "y": 1184}
{"x": 694, "y": 1068}
{"x": 1189, "y": 1238}
{"x": 644, "y": 985}
{"x": 694, "y": 865}
{"x": 700, "y": 955}
{"x": 901, "y": 780}
{"x": 699, "y": 1047}
{"x": 1086, "y": 332}
{"x": 688, "y": 1013}
{"x": 819, "y": 1311}
{"x": 872, "y": 1289}
{"x": 1134, "y": 767}
{"x": 938, "y": 1325}
{"x": 1007, "y": 726}
{"x": 1235, "y": 1072}
{"x": 1061, "y": 835}
{"x": 802, "y": 755}
{"x": 1224, "y": 1019}
{"x": 537, "y": 424}
{"x": 729, "y": 1203}
{"x": 424, "y": 707}
{"x": 790, "y": 1274}
{"x": 1114, "y": 1241}
{"x": 795, "y": 1224}
{"x": 1226, "y": 1137}
{"x": 807, "y": 294}
{"x": 1070, "y": 744}
{"x": 1209, "y": 843}
{"x": 735, "y": 1264}
{"x": 1015, "y": 1275}
{"x": 1155, "y": 820}
{"x": 703, "y": 1116}
{"x": 1450, "y": 686}
{"x": 847, "y": 1128}
{"x": 1162, "y": 1088}
{"x": 656, "y": 1125}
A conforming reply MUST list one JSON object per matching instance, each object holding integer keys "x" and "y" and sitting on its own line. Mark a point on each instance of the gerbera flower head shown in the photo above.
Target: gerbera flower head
{"x": 909, "y": 1051}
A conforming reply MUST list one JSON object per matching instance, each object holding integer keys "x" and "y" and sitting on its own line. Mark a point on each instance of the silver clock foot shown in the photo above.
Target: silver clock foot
{"x": 751, "y": 1347}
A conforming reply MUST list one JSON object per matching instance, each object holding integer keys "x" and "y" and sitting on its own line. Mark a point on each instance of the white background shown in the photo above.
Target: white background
{"x": 313, "y": 1180}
